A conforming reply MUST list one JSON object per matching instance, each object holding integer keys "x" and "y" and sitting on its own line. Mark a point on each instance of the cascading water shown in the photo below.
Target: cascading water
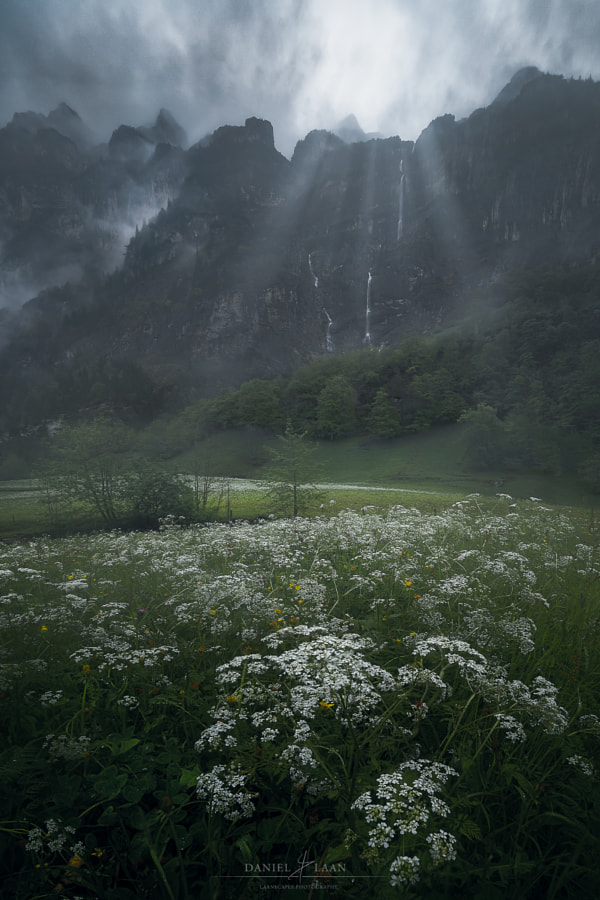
{"x": 367, "y": 337}
{"x": 328, "y": 339}
{"x": 401, "y": 203}
{"x": 314, "y": 277}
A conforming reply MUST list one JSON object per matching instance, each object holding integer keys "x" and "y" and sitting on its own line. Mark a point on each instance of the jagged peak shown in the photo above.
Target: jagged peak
{"x": 64, "y": 110}
{"x": 260, "y": 130}
{"x": 127, "y": 143}
{"x": 253, "y": 130}
{"x": 165, "y": 130}
{"x": 516, "y": 84}
{"x": 349, "y": 130}
{"x": 63, "y": 119}
{"x": 315, "y": 144}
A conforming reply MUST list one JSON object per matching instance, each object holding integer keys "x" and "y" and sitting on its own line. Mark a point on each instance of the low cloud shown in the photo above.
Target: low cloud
{"x": 303, "y": 64}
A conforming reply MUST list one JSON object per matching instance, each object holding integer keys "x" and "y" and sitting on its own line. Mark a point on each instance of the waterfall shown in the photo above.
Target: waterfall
{"x": 314, "y": 277}
{"x": 401, "y": 203}
{"x": 367, "y": 337}
{"x": 328, "y": 338}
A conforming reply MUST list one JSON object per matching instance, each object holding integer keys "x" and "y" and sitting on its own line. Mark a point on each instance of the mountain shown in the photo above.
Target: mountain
{"x": 67, "y": 207}
{"x": 516, "y": 84}
{"x": 350, "y": 131}
{"x": 249, "y": 264}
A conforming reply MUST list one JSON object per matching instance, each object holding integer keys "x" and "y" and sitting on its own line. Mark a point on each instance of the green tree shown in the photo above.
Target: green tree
{"x": 92, "y": 468}
{"x": 336, "y": 409}
{"x": 150, "y": 494}
{"x": 258, "y": 403}
{"x": 589, "y": 470}
{"x": 384, "y": 421}
{"x": 484, "y": 436}
{"x": 291, "y": 473}
{"x": 87, "y": 465}
{"x": 439, "y": 401}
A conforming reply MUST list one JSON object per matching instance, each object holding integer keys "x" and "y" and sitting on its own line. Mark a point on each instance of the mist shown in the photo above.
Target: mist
{"x": 302, "y": 64}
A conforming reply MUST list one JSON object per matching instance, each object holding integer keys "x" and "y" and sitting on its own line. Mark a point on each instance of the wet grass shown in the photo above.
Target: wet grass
{"x": 404, "y": 705}
{"x": 424, "y": 470}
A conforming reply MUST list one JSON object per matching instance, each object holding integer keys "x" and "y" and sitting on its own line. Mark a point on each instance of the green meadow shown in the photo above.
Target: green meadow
{"x": 426, "y": 469}
{"x": 400, "y": 699}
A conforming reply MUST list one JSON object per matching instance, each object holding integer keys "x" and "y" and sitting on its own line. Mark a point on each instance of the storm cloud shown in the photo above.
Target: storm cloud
{"x": 302, "y": 64}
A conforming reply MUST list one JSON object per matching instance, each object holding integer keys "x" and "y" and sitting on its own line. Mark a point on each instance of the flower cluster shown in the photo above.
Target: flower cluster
{"x": 407, "y": 803}
{"x": 223, "y": 790}
{"x": 64, "y": 747}
{"x": 314, "y": 653}
{"x": 53, "y": 838}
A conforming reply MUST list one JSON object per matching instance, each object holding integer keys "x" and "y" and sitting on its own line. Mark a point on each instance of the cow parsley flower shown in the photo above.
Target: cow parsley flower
{"x": 64, "y": 747}
{"x": 512, "y": 727}
{"x": 404, "y": 870}
{"x": 441, "y": 846}
{"x": 405, "y": 802}
{"x": 223, "y": 788}
{"x": 582, "y": 764}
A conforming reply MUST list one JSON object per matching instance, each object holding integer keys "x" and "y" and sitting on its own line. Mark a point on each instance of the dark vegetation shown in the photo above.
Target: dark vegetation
{"x": 523, "y": 372}
{"x": 521, "y": 369}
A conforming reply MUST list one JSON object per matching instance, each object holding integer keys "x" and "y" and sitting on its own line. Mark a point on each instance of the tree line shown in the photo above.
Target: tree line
{"x": 520, "y": 368}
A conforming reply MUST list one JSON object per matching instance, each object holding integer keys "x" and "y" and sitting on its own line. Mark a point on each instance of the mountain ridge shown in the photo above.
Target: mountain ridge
{"x": 250, "y": 264}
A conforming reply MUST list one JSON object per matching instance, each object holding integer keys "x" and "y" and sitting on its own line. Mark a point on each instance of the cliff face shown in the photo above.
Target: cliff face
{"x": 522, "y": 176}
{"x": 408, "y": 228}
{"x": 256, "y": 264}
{"x": 67, "y": 208}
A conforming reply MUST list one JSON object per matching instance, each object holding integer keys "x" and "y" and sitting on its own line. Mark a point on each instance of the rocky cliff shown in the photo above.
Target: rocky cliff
{"x": 256, "y": 263}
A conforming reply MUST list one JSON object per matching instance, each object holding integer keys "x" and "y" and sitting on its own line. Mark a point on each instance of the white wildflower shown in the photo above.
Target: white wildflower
{"x": 580, "y": 763}
{"x": 404, "y": 870}
{"x": 441, "y": 846}
{"x": 223, "y": 789}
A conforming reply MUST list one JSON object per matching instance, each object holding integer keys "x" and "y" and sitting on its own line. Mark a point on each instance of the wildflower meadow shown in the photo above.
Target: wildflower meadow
{"x": 385, "y": 703}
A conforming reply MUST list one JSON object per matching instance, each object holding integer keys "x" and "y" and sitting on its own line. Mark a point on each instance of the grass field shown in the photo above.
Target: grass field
{"x": 425, "y": 470}
{"x": 403, "y": 703}
{"x": 431, "y": 460}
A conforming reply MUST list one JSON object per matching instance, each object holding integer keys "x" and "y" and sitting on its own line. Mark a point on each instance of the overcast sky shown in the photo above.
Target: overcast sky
{"x": 302, "y": 64}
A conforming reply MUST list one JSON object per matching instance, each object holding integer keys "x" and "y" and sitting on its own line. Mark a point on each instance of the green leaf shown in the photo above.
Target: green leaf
{"x": 335, "y": 854}
{"x": 137, "y": 818}
{"x": 470, "y": 830}
{"x": 188, "y": 777}
{"x": 123, "y": 746}
{"x": 121, "y": 743}
{"x": 184, "y": 838}
{"x": 139, "y": 848}
{"x": 108, "y": 783}
{"x": 133, "y": 792}
{"x": 108, "y": 817}
{"x": 243, "y": 844}
{"x": 523, "y": 782}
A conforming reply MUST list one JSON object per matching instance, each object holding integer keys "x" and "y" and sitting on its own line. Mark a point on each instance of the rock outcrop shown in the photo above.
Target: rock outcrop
{"x": 249, "y": 264}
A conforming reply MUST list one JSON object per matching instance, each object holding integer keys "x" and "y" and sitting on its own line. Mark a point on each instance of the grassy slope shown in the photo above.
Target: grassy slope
{"x": 428, "y": 461}
{"x": 422, "y": 470}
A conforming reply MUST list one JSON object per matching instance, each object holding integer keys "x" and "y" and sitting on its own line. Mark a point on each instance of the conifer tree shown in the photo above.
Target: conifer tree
{"x": 292, "y": 473}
